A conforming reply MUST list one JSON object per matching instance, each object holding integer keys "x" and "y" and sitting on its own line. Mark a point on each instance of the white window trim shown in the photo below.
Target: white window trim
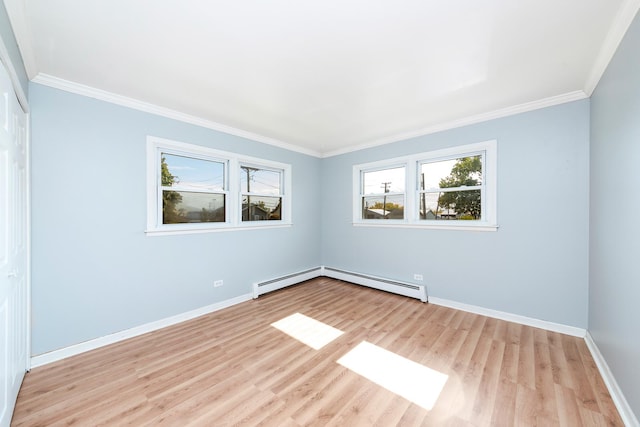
{"x": 411, "y": 164}
{"x": 372, "y": 167}
{"x": 233, "y": 220}
{"x": 243, "y": 193}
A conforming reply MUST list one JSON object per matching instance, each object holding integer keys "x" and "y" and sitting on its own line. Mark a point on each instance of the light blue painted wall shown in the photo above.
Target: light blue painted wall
{"x": 95, "y": 272}
{"x": 614, "y": 285}
{"x": 9, "y": 40}
{"x": 535, "y": 265}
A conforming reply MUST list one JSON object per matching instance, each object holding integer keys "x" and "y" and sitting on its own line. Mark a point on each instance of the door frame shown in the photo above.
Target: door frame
{"x": 7, "y": 63}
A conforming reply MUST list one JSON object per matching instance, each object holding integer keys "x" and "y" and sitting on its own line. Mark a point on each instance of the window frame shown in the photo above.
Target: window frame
{"x": 375, "y": 167}
{"x": 160, "y": 188}
{"x": 232, "y": 191}
{"x": 412, "y": 164}
{"x": 243, "y": 193}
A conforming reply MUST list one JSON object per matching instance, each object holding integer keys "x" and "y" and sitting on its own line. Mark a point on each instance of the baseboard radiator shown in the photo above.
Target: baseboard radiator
{"x": 393, "y": 286}
{"x": 284, "y": 281}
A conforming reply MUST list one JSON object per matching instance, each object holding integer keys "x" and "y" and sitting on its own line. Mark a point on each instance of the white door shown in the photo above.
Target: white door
{"x": 13, "y": 248}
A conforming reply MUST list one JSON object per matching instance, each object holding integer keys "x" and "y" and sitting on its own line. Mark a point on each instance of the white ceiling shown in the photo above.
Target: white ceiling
{"x": 326, "y": 76}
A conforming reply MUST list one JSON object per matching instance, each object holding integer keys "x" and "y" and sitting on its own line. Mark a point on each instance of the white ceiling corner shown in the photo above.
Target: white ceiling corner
{"x": 328, "y": 77}
{"x": 621, "y": 22}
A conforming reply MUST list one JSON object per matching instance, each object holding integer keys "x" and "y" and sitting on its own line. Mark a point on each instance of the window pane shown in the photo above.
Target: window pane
{"x": 188, "y": 207}
{"x": 259, "y": 208}
{"x": 384, "y": 181}
{"x": 262, "y": 181}
{"x": 460, "y": 205}
{"x": 463, "y": 171}
{"x": 191, "y": 173}
{"x": 383, "y": 207}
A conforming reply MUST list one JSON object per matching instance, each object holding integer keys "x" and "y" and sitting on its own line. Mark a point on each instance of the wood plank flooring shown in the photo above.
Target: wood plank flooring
{"x": 232, "y": 368}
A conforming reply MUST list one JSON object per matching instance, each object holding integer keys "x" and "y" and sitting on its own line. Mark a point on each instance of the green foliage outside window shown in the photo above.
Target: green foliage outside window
{"x": 170, "y": 199}
{"x": 466, "y": 172}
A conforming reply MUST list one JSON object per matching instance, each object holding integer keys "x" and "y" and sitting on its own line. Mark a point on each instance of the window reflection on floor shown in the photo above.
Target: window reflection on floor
{"x": 413, "y": 381}
{"x": 308, "y": 331}
{"x": 404, "y": 377}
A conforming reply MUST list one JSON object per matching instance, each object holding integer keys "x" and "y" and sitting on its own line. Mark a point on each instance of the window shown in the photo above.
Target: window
{"x": 194, "y": 189}
{"x": 451, "y": 188}
{"x": 261, "y": 193}
{"x": 383, "y": 193}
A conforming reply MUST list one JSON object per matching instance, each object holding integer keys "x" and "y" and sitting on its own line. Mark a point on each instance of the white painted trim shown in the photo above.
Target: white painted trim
{"x": 13, "y": 76}
{"x": 626, "y": 413}
{"x": 444, "y": 226}
{"x": 28, "y": 233}
{"x": 93, "y": 344}
{"x": 102, "y": 95}
{"x": 465, "y": 121}
{"x": 621, "y": 23}
{"x": 320, "y": 271}
{"x": 153, "y": 233}
{"x": 509, "y": 317}
{"x": 80, "y": 89}
{"x": 5, "y": 59}
{"x": 16, "y": 10}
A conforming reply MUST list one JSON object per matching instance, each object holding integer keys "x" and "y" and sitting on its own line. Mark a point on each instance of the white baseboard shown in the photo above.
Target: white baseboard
{"x": 626, "y": 413}
{"x": 63, "y": 353}
{"x": 75, "y": 349}
{"x": 516, "y": 318}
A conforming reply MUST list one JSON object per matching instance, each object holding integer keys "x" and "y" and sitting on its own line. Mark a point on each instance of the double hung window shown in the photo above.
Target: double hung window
{"x": 194, "y": 189}
{"x": 449, "y": 188}
{"x": 261, "y": 193}
{"x": 383, "y": 193}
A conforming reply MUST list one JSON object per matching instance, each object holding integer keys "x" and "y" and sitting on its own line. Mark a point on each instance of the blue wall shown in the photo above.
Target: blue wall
{"x": 95, "y": 272}
{"x": 535, "y": 265}
{"x": 614, "y": 286}
{"x": 566, "y": 210}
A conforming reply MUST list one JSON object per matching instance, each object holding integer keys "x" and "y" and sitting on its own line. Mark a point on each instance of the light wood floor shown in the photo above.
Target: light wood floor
{"x": 232, "y": 368}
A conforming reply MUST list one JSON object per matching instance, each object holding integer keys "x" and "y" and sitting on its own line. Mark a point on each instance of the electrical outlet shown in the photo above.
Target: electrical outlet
{"x": 417, "y": 277}
{"x": 218, "y": 283}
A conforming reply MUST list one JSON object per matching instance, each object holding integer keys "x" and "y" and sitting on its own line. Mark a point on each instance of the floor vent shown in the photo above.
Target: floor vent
{"x": 393, "y": 286}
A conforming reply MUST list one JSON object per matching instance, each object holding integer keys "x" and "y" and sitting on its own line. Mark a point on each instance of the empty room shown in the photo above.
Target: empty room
{"x": 416, "y": 213}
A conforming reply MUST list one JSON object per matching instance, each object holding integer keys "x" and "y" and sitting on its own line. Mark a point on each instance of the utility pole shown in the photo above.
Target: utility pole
{"x": 248, "y": 170}
{"x": 386, "y": 186}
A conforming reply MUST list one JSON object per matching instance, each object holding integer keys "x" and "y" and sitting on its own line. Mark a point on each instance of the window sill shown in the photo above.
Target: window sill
{"x": 465, "y": 227}
{"x": 170, "y": 232}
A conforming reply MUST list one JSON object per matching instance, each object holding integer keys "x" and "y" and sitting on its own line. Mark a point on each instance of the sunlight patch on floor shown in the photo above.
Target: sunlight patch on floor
{"x": 404, "y": 377}
{"x": 308, "y": 331}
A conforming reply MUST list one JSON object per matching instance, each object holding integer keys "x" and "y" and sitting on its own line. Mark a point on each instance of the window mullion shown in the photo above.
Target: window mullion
{"x": 233, "y": 189}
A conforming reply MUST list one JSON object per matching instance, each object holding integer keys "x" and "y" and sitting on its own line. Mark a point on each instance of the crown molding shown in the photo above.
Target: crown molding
{"x": 91, "y": 92}
{"x": 621, "y": 23}
{"x": 465, "y": 121}
{"x": 102, "y": 95}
